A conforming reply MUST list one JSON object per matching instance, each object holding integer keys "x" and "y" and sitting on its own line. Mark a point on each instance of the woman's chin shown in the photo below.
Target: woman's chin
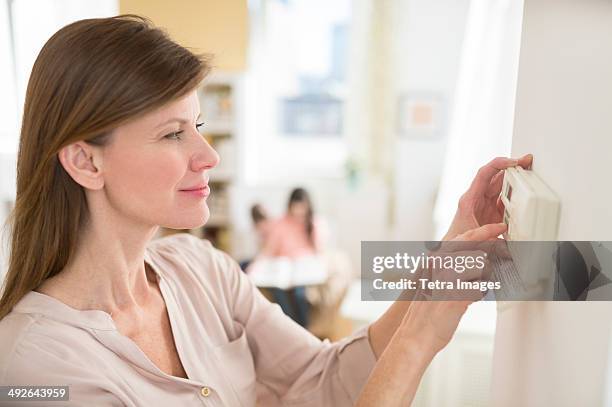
{"x": 192, "y": 223}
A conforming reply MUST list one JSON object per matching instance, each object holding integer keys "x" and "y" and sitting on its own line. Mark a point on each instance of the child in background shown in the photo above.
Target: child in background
{"x": 261, "y": 223}
{"x": 293, "y": 236}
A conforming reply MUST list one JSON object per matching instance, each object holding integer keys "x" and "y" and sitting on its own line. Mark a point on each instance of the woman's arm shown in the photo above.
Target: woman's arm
{"x": 382, "y": 330}
{"x": 426, "y": 328}
{"x": 479, "y": 206}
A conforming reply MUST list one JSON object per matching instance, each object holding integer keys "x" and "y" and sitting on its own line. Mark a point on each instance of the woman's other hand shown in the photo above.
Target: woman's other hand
{"x": 426, "y": 328}
{"x": 433, "y": 323}
{"x": 481, "y": 203}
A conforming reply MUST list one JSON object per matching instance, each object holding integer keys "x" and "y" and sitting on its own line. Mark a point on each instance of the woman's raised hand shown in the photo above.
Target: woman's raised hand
{"x": 481, "y": 204}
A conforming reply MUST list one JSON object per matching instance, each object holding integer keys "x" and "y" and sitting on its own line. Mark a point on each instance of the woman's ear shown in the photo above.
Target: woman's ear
{"x": 84, "y": 164}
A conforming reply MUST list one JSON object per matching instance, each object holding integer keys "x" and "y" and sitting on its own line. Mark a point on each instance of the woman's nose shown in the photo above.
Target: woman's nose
{"x": 205, "y": 158}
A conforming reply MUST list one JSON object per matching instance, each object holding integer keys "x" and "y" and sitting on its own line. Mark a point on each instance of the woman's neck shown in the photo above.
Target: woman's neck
{"x": 107, "y": 273}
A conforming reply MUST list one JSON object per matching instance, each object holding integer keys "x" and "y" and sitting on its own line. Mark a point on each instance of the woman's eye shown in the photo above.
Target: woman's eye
{"x": 199, "y": 125}
{"x": 174, "y": 136}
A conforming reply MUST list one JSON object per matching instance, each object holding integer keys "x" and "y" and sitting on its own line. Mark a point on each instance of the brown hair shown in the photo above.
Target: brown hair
{"x": 258, "y": 214}
{"x": 90, "y": 77}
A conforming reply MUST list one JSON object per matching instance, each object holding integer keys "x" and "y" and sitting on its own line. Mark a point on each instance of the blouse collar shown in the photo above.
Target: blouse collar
{"x": 52, "y": 308}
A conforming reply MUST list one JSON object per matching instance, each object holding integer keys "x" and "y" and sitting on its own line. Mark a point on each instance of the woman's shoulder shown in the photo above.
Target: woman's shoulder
{"x": 38, "y": 351}
{"x": 32, "y": 345}
{"x": 285, "y": 221}
{"x": 14, "y": 329}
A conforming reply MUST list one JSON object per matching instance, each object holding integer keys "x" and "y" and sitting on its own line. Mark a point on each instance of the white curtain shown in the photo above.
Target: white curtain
{"x": 481, "y": 126}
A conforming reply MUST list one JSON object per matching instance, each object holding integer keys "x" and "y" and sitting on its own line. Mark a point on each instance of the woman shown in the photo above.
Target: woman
{"x": 294, "y": 236}
{"x": 110, "y": 151}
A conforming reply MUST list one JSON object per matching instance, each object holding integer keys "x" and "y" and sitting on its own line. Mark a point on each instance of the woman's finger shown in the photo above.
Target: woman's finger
{"x": 496, "y": 184}
{"x": 526, "y": 161}
{"x": 485, "y": 232}
{"x": 485, "y": 174}
{"x": 498, "y": 179}
{"x": 500, "y": 205}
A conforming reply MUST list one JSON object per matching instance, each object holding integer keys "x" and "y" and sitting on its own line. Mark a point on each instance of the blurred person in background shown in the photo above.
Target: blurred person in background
{"x": 297, "y": 232}
{"x": 261, "y": 224}
{"x": 294, "y": 236}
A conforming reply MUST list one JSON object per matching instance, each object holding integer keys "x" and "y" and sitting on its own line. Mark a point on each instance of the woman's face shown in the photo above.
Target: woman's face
{"x": 298, "y": 210}
{"x": 151, "y": 161}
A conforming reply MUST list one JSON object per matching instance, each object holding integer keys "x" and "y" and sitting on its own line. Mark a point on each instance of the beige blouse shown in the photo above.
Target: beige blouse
{"x": 234, "y": 344}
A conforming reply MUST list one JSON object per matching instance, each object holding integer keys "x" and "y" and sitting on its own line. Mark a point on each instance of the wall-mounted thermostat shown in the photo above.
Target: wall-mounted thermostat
{"x": 532, "y": 214}
{"x": 532, "y": 208}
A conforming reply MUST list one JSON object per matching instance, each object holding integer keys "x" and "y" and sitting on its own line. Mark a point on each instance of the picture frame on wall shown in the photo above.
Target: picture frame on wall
{"x": 421, "y": 115}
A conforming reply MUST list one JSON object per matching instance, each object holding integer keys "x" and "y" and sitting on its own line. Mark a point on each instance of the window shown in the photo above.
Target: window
{"x": 311, "y": 38}
{"x": 297, "y": 73}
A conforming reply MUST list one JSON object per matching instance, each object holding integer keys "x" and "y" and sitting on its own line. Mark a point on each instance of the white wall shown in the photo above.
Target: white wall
{"x": 427, "y": 56}
{"x": 555, "y": 354}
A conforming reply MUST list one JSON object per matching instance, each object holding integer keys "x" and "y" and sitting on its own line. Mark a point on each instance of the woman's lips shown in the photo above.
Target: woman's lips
{"x": 202, "y": 192}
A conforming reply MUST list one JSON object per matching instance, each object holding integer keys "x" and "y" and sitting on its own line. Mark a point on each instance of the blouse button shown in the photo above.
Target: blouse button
{"x": 205, "y": 391}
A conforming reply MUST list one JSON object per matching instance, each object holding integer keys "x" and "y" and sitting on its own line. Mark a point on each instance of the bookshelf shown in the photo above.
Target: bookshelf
{"x": 220, "y": 106}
